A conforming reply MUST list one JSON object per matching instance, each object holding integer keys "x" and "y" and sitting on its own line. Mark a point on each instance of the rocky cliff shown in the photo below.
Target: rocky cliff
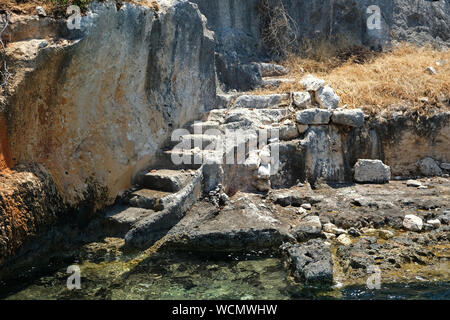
{"x": 94, "y": 105}
{"x": 86, "y": 110}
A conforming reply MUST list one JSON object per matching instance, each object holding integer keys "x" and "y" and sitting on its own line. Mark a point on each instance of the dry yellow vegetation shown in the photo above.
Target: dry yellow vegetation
{"x": 391, "y": 80}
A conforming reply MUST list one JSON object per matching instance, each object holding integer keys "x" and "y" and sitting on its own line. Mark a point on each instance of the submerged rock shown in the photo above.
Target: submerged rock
{"x": 310, "y": 262}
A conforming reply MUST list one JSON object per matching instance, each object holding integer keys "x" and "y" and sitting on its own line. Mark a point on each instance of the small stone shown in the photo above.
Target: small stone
{"x": 372, "y": 171}
{"x": 344, "y": 240}
{"x": 327, "y": 98}
{"x": 306, "y": 206}
{"x": 422, "y": 187}
{"x": 435, "y": 223}
{"x": 329, "y": 236}
{"x": 353, "y": 232}
{"x": 302, "y": 99}
{"x": 385, "y": 234}
{"x": 301, "y": 211}
{"x": 369, "y": 231}
{"x": 43, "y": 44}
{"x": 40, "y": 11}
{"x": 413, "y": 223}
{"x": 413, "y": 183}
{"x": 428, "y": 167}
{"x": 329, "y": 227}
{"x": 445, "y": 218}
{"x": 427, "y": 227}
{"x": 223, "y": 199}
{"x": 431, "y": 71}
{"x": 445, "y": 166}
{"x": 312, "y": 83}
{"x": 441, "y": 62}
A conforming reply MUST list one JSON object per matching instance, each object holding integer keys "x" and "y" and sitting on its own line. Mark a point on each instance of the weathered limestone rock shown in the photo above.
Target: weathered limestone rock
{"x": 351, "y": 118}
{"x": 327, "y": 98}
{"x": 302, "y": 99}
{"x": 312, "y": 83}
{"x": 243, "y": 223}
{"x": 272, "y": 70}
{"x": 166, "y": 180}
{"x": 413, "y": 223}
{"x": 288, "y": 130}
{"x": 413, "y": 183}
{"x": 436, "y": 223}
{"x": 324, "y": 156}
{"x": 309, "y": 227}
{"x": 310, "y": 262}
{"x": 313, "y": 116}
{"x": 445, "y": 166}
{"x": 428, "y": 167}
{"x": 259, "y": 102}
{"x": 372, "y": 171}
{"x": 344, "y": 240}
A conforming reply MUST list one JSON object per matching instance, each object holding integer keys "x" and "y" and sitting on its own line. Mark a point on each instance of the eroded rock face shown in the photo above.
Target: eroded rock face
{"x": 29, "y": 203}
{"x": 102, "y": 106}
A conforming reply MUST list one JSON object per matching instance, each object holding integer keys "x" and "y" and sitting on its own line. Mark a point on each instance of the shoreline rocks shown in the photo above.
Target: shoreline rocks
{"x": 372, "y": 171}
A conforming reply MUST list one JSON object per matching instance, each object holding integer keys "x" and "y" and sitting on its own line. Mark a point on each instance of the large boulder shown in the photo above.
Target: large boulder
{"x": 429, "y": 167}
{"x": 372, "y": 171}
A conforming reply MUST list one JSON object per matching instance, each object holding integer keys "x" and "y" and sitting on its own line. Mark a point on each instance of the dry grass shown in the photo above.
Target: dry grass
{"x": 393, "y": 80}
{"x": 57, "y": 8}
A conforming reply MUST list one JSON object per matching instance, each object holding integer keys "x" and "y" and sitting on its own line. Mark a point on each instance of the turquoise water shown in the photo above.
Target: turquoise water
{"x": 186, "y": 276}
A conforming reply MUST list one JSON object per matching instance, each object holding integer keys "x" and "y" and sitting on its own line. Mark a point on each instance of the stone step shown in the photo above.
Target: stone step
{"x": 272, "y": 69}
{"x": 276, "y": 82}
{"x": 120, "y": 219}
{"x": 191, "y": 159}
{"x": 191, "y": 141}
{"x": 260, "y": 101}
{"x": 149, "y": 199}
{"x": 166, "y": 180}
{"x": 202, "y": 127}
